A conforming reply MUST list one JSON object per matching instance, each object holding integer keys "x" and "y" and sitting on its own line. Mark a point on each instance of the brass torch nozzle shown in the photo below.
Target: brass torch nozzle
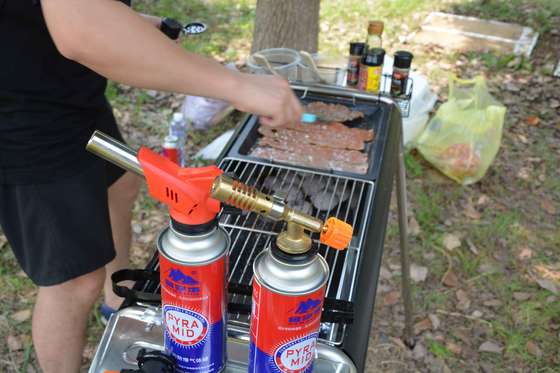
{"x": 247, "y": 198}
{"x": 334, "y": 233}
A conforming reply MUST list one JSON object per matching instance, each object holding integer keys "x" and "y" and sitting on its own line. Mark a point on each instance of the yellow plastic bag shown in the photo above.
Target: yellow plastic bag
{"x": 464, "y": 136}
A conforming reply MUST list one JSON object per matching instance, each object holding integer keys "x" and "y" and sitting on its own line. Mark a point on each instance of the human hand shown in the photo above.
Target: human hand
{"x": 156, "y": 21}
{"x": 269, "y": 96}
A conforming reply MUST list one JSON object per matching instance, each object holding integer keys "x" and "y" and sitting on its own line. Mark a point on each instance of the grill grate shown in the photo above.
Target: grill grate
{"x": 318, "y": 194}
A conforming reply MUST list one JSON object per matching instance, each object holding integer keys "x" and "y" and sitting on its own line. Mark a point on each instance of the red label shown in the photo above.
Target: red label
{"x": 194, "y": 302}
{"x": 284, "y": 330}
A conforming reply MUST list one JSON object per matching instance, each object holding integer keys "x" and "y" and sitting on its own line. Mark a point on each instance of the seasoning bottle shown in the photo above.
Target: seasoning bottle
{"x": 374, "y": 40}
{"x": 401, "y": 68}
{"x": 370, "y": 70}
{"x": 356, "y": 50}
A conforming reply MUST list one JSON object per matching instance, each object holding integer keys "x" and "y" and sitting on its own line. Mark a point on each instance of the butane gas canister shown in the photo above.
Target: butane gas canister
{"x": 193, "y": 268}
{"x": 288, "y": 293}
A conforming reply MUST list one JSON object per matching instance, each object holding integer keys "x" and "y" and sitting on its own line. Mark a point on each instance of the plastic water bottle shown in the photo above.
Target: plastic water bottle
{"x": 178, "y": 127}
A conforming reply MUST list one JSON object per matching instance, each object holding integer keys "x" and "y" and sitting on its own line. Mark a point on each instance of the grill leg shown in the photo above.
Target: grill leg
{"x": 405, "y": 254}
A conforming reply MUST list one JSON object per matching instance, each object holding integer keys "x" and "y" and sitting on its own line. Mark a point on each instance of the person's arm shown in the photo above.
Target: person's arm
{"x": 116, "y": 42}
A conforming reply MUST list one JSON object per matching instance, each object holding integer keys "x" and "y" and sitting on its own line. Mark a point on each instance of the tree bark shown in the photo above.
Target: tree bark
{"x": 290, "y": 24}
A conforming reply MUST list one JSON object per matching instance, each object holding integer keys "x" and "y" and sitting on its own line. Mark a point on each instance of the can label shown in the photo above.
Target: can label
{"x": 173, "y": 154}
{"x": 353, "y": 70}
{"x": 195, "y": 315}
{"x": 369, "y": 78}
{"x": 284, "y": 331}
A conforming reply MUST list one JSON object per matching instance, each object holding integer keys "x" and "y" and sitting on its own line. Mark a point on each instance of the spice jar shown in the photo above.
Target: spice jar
{"x": 401, "y": 68}
{"x": 370, "y": 70}
{"x": 356, "y": 50}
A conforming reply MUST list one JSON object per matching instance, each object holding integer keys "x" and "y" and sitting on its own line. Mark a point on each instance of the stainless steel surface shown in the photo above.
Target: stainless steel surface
{"x": 251, "y": 233}
{"x": 290, "y": 280}
{"x": 126, "y": 334}
{"x": 115, "y": 152}
{"x": 192, "y": 250}
{"x": 405, "y": 252}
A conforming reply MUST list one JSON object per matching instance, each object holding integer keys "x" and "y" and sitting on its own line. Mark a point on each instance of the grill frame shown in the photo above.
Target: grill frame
{"x": 388, "y": 150}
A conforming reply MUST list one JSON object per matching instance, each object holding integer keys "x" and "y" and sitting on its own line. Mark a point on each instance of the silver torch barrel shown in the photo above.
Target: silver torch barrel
{"x": 115, "y": 152}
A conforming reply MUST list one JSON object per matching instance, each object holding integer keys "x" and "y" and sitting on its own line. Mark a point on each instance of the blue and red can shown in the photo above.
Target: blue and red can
{"x": 286, "y": 311}
{"x": 193, "y": 270}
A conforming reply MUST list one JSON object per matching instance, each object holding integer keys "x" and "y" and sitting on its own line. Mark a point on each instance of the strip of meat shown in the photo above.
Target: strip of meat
{"x": 336, "y": 112}
{"x": 328, "y": 139}
{"x": 366, "y": 135}
{"x": 350, "y": 156}
{"x": 308, "y": 160}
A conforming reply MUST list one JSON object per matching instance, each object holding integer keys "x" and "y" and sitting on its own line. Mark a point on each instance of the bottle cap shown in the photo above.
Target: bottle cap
{"x": 178, "y": 117}
{"x": 374, "y": 57}
{"x": 171, "y": 27}
{"x": 171, "y": 138}
{"x": 338, "y": 234}
{"x": 375, "y": 27}
{"x": 403, "y": 59}
{"x": 356, "y": 49}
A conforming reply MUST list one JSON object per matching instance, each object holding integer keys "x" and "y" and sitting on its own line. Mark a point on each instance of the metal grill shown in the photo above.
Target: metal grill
{"x": 318, "y": 194}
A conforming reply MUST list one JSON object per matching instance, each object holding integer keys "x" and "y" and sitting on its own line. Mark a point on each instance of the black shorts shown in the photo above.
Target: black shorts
{"x": 61, "y": 230}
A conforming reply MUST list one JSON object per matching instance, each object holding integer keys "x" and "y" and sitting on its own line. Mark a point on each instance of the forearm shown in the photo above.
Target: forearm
{"x": 116, "y": 42}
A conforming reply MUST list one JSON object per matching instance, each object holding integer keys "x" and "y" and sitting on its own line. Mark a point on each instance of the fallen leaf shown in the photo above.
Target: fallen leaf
{"x": 523, "y": 173}
{"x": 548, "y": 285}
{"x": 398, "y": 342}
{"x": 30, "y": 369}
{"x": 521, "y": 296}
{"x": 3, "y": 240}
{"x": 25, "y": 339}
{"x": 21, "y": 315}
{"x": 462, "y": 335}
{"x": 472, "y": 247}
{"x": 477, "y": 313}
{"x": 14, "y": 343}
{"x": 390, "y": 299}
{"x": 487, "y": 366}
{"x": 470, "y": 212}
{"x": 414, "y": 226}
{"x": 146, "y": 238}
{"x": 419, "y": 351}
{"x": 435, "y": 337}
{"x": 450, "y": 279}
{"x": 385, "y": 273}
{"x": 464, "y": 300}
{"x": 450, "y": 241}
{"x": 548, "y": 206}
{"x": 482, "y": 200}
{"x": 515, "y": 62}
{"x": 542, "y": 178}
{"x": 523, "y": 139}
{"x": 454, "y": 348}
{"x": 525, "y": 253}
{"x": 533, "y": 349}
{"x": 418, "y": 273}
{"x": 532, "y": 121}
{"x": 422, "y": 325}
{"x": 435, "y": 321}
{"x": 487, "y": 268}
{"x": 554, "y": 104}
{"x": 491, "y": 347}
{"x": 493, "y": 303}
{"x": 3, "y": 321}
{"x": 550, "y": 299}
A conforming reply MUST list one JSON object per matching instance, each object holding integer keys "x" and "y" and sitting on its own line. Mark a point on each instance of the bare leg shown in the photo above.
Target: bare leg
{"x": 121, "y": 197}
{"x": 60, "y": 319}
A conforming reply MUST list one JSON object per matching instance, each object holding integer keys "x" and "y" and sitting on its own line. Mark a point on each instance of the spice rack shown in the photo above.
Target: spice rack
{"x": 402, "y": 100}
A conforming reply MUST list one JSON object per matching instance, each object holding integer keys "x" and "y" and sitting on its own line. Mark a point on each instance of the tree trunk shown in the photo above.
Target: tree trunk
{"x": 290, "y": 24}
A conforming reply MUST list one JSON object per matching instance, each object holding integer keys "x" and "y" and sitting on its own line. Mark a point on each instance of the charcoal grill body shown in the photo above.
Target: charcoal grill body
{"x": 383, "y": 153}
